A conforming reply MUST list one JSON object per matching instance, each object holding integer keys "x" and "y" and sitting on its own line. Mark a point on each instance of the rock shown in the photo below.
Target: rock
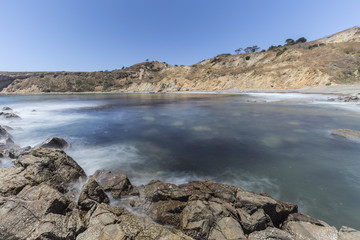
{"x": 91, "y": 194}
{"x": 6, "y": 109}
{"x": 53, "y": 142}
{"x": 116, "y": 183}
{"x": 304, "y": 227}
{"x": 51, "y": 166}
{"x": 227, "y": 228}
{"x": 347, "y": 233}
{"x": 41, "y": 212}
{"x": 270, "y": 233}
{"x": 349, "y": 134}
{"x": 198, "y": 207}
{"x": 277, "y": 211}
{"x": 9, "y": 115}
{"x": 108, "y": 222}
{"x": 256, "y": 221}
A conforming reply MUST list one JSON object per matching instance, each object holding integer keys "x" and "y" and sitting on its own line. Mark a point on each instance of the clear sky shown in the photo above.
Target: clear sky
{"x": 90, "y": 35}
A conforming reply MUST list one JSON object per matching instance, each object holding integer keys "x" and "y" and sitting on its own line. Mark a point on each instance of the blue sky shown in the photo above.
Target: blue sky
{"x": 89, "y": 35}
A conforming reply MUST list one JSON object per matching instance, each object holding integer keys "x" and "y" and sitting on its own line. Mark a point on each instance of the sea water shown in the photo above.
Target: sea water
{"x": 280, "y": 144}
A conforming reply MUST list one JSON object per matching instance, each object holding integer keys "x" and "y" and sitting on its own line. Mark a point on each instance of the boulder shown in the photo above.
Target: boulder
{"x": 200, "y": 208}
{"x": 347, "y": 233}
{"x": 8, "y": 115}
{"x": 39, "y": 212}
{"x": 352, "y": 135}
{"x": 51, "y": 166}
{"x": 109, "y": 222}
{"x": 53, "y": 142}
{"x": 6, "y": 109}
{"x": 118, "y": 184}
{"x": 302, "y": 227}
{"x": 270, "y": 233}
{"x": 91, "y": 194}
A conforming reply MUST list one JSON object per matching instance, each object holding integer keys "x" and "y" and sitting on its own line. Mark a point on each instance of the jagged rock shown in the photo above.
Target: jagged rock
{"x": 347, "y": 233}
{"x": 91, "y": 194}
{"x": 52, "y": 166}
{"x": 227, "y": 228}
{"x": 39, "y": 212}
{"x": 349, "y": 134}
{"x": 6, "y": 141}
{"x": 277, "y": 211}
{"x": 304, "y": 227}
{"x": 116, "y": 183}
{"x": 9, "y": 115}
{"x": 6, "y": 109}
{"x": 270, "y": 233}
{"x": 108, "y": 222}
{"x": 197, "y": 207}
{"x": 53, "y": 142}
{"x": 257, "y": 221}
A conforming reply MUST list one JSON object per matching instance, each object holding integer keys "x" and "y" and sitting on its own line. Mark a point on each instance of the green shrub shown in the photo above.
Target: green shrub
{"x": 313, "y": 46}
{"x": 281, "y": 52}
{"x": 247, "y": 58}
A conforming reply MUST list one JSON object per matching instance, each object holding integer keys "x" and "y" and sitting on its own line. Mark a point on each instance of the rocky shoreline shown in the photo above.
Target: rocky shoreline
{"x": 40, "y": 198}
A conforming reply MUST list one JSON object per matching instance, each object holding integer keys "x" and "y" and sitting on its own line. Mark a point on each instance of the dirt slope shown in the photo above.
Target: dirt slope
{"x": 328, "y": 61}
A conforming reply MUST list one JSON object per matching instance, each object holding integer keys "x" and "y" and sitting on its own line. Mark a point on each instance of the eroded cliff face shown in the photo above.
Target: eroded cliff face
{"x": 328, "y": 61}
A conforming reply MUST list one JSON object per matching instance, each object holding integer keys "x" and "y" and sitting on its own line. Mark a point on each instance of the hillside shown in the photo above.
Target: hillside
{"x": 328, "y": 61}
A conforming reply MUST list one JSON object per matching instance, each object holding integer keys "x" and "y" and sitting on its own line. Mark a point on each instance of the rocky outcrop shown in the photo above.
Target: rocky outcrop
{"x": 117, "y": 184}
{"x": 50, "y": 166}
{"x": 53, "y": 142}
{"x": 39, "y": 212}
{"x": 352, "y": 135}
{"x": 208, "y": 210}
{"x": 9, "y": 115}
{"x": 91, "y": 194}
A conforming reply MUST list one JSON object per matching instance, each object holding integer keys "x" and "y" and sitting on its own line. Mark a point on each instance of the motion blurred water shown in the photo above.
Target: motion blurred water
{"x": 282, "y": 147}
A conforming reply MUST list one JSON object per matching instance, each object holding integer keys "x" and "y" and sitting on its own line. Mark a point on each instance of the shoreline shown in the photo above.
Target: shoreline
{"x": 342, "y": 90}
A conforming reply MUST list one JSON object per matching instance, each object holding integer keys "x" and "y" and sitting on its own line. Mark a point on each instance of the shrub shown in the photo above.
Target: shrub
{"x": 313, "y": 46}
{"x": 281, "y": 52}
{"x": 301, "y": 40}
{"x": 247, "y": 58}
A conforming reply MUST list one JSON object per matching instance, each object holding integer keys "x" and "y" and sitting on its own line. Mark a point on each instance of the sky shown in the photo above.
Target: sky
{"x": 94, "y": 35}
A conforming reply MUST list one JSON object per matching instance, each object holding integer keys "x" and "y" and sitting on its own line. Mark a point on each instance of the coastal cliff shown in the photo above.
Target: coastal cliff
{"x": 329, "y": 61}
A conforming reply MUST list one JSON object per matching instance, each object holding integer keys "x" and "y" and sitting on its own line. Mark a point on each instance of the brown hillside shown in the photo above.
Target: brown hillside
{"x": 328, "y": 61}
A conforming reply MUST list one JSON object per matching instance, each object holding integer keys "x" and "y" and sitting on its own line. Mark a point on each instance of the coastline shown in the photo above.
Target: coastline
{"x": 342, "y": 90}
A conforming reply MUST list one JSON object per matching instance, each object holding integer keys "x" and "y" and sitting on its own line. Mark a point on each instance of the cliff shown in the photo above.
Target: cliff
{"x": 328, "y": 61}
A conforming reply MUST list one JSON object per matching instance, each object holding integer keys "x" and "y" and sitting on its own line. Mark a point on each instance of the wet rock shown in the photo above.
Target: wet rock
{"x": 108, "y": 222}
{"x": 352, "y": 135}
{"x": 304, "y": 227}
{"x": 51, "y": 166}
{"x": 53, "y": 142}
{"x": 8, "y": 115}
{"x": 197, "y": 207}
{"x": 277, "y": 211}
{"x": 6, "y": 109}
{"x": 91, "y": 194}
{"x": 270, "y": 233}
{"x": 39, "y": 213}
{"x": 116, "y": 183}
{"x": 347, "y": 233}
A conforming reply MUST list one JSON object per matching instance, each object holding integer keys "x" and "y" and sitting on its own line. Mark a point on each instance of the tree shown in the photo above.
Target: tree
{"x": 238, "y": 50}
{"x": 290, "y": 41}
{"x": 301, "y": 40}
{"x": 248, "y": 50}
{"x": 251, "y": 49}
{"x": 254, "y": 48}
